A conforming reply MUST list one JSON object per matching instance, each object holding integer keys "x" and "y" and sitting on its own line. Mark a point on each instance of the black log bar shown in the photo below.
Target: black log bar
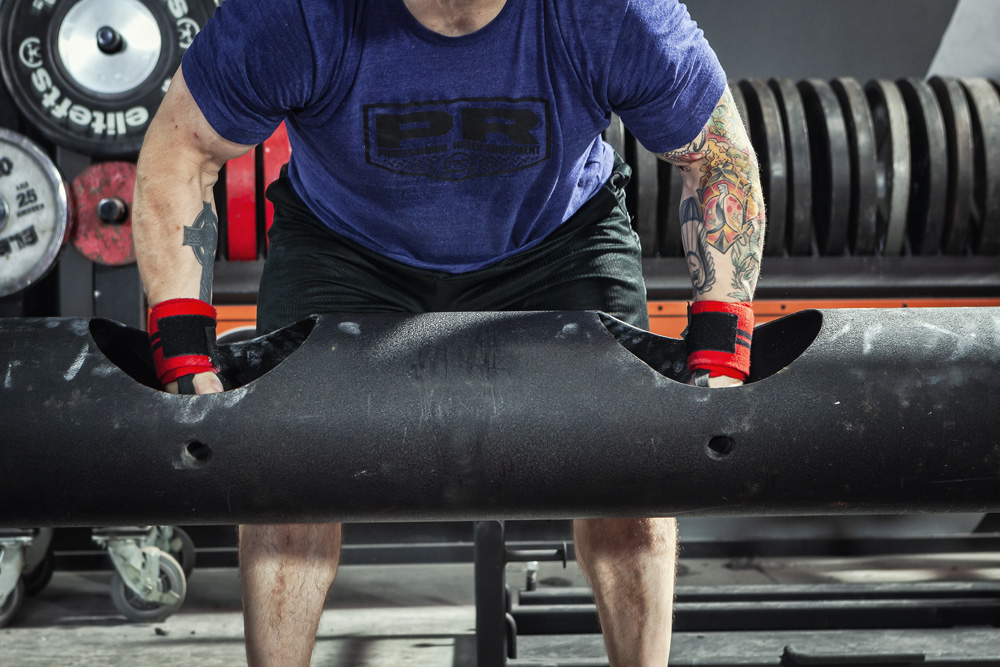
{"x": 443, "y": 416}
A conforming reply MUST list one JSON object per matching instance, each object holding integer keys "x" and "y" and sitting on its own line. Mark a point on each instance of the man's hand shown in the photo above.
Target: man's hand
{"x": 204, "y": 383}
{"x": 702, "y": 379}
{"x": 724, "y": 381}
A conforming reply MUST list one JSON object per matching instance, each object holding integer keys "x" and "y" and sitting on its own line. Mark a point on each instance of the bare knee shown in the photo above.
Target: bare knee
{"x": 601, "y": 539}
{"x": 316, "y": 546}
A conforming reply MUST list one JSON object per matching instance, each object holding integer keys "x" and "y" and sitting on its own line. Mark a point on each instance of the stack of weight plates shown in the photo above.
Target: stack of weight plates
{"x": 88, "y": 75}
{"x": 885, "y": 168}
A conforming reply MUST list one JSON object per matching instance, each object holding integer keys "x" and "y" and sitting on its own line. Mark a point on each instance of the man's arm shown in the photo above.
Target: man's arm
{"x": 174, "y": 221}
{"x": 722, "y": 208}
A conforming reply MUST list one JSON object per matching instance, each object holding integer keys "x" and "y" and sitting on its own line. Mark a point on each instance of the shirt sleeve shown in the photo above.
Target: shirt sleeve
{"x": 665, "y": 80}
{"x": 250, "y": 66}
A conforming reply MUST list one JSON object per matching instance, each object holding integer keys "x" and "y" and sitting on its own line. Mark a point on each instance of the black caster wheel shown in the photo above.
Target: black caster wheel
{"x": 37, "y": 579}
{"x": 182, "y": 549}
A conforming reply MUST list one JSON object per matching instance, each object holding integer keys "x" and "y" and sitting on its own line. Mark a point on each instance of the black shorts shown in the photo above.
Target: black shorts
{"x": 591, "y": 262}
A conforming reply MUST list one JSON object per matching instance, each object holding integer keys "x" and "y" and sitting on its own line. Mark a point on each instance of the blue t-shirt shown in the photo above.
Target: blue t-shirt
{"x": 451, "y": 153}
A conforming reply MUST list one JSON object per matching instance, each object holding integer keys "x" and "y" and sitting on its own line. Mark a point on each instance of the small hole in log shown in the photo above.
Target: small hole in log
{"x": 196, "y": 454}
{"x": 720, "y": 446}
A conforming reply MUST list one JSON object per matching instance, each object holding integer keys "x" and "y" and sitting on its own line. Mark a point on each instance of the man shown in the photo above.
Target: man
{"x": 447, "y": 156}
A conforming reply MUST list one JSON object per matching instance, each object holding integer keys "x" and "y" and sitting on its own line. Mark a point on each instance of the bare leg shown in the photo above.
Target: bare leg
{"x": 631, "y": 564}
{"x": 285, "y": 572}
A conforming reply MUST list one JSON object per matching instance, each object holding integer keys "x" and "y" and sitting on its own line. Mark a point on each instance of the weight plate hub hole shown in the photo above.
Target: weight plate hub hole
{"x": 102, "y": 206}
{"x": 109, "y": 47}
{"x": 33, "y": 213}
{"x": 90, "y": 74}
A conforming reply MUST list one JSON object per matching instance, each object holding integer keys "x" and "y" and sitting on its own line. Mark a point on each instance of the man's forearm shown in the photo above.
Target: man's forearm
{"x": 176, "y": 228}
{"x": 722, "y": 208}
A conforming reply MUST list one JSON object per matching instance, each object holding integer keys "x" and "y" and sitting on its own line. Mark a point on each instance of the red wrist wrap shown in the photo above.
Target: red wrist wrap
{"x": 182, "y": 336}
{"x": 719, "y": 337}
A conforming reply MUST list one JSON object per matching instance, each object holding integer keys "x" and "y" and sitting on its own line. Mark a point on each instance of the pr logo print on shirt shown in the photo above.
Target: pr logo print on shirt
{"x": 453, "y": 140}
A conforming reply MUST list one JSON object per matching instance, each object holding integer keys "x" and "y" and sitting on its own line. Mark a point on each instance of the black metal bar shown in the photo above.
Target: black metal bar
{"x": 845, "y": 277}
{"x": 236, "y": 282}
{"x": 118, "y": 294}
{"x": 527, "y": 555}
{"x": 12, "y": 306}
{"x": 778, "y": 615}
{"x": 966, "y": 647}
{"x": 787, "y": 592}
{"x": 76, "y": 284}
{"x": 491, "y": 605}
{"x": 847, "y": 658}
{"x": 513, "y": 415}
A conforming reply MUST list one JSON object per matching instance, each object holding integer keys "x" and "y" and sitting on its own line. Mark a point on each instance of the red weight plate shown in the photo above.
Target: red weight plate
{"x": 241, "y": 210}
{"x": 276, "y": 154}
{"x": 102, "y": 213}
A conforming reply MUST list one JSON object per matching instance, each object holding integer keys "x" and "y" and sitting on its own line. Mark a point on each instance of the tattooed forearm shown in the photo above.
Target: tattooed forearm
{"x": 701, "y": 266}
{"x": 685, "y": 155}
{"x": 722, "y": 179}
{"x": 203, "y": 238}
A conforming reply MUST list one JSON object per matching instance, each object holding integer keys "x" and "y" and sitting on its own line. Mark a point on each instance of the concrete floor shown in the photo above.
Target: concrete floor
{"x": 385, "y": 615}
{"x": 379, "y": 616}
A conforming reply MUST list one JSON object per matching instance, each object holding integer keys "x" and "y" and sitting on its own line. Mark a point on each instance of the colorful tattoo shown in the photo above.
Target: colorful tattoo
{"x": 203, "y": 237}
{"x": 729, "y": 200}
{"x": 695, "y": 240}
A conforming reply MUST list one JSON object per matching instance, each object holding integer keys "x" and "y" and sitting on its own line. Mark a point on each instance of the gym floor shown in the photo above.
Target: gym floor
{"x": 386, "y": 615}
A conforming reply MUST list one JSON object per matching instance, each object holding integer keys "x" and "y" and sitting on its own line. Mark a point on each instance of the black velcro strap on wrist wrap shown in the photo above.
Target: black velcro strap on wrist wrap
{"x": 182, "y": 335}
{"x": 713, "y": 331}
{"x": 185, "y": 385}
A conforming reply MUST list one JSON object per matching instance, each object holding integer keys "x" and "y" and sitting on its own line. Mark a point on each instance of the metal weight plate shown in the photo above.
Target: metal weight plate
{"x": 615, "y": 135}
{"x": 768, "y": 139}
{"x": 892, "y": 158}
{"x": 831, "y": 165}
{"x": 741, "y": 104}
{"x": 90, "y": 74}
{"x": 645, "y": 174}
{"x": 102, "y": 213}
{"x": 928, "y": 166}
{"x": 861, "y": 145}
{"x": 958, "y": 130}
{"x": 33, "y": 213}
{"x": 798, "y": 221}
{"x": 241, "y": 208}
{"x": 668, "y": 205}
{"x": 984, "y": 103}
